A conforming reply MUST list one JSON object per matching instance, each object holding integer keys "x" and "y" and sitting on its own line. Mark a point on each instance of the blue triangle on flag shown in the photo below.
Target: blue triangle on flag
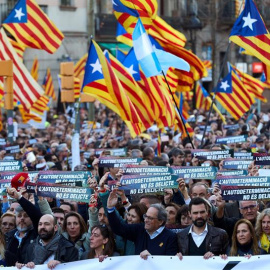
{"x": 18, "y": 13}
{"x": 93, "y": 69}
{"x": 249, "y": 23}
{"x": 132, "y": 64}
{"x": 225, "y": 86}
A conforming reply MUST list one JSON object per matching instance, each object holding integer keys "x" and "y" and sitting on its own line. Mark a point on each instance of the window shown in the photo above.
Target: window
{"x": 44, "y": 8}
{"x": 66, "y": 2}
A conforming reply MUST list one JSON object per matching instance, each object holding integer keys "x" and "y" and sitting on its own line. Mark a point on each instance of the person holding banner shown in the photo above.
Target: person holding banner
{"x": 150, "y": 238}
{"x": 244, "y": 240}
{"x": 201, "y": 239}
{"x": 75, "y": 230}
{"x": 102, "y": 244}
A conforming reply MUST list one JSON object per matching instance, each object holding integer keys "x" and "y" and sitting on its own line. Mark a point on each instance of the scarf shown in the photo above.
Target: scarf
{"x": 42, "y": 253}
{"x": 265, "y": 242}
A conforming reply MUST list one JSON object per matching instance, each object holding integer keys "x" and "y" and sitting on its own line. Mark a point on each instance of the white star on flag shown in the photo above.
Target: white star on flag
{"x": 19, "y": 14}
{"x": 249, "y": 21}
{"x": 224, "y": 85}
{"x": 131, "y": 70}
{"x": 96, "y": 67}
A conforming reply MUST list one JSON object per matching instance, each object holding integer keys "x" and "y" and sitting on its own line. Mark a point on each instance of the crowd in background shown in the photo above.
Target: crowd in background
{"x": 192, "y": 219}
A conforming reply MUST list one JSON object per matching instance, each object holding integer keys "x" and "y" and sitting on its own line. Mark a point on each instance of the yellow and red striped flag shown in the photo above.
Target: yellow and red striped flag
{"x": 80, "y": 65}
{"x": 26, "y": 89}
{"x": 48, "y": 85}
{"x": 254, "y": 86}
{"x": 101, "y": 82}
{"x": 26, "y": 116}
{"x": 127, "y": 12}
{"x": 34, "y": 70}
{"x": 77, "y": 87}
{"x": 250, "y": 33}
{"x": 31, "y": 27}
{"x": 17, "y": 47}
{"x": 41, "y": 105}
{"x": 239, "y": 101}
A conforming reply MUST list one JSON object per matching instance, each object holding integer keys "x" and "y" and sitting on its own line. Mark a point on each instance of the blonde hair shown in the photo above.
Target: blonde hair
{"x": 258, "y": 227}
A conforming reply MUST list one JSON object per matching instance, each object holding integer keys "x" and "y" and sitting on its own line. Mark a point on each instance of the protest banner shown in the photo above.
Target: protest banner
{"x": 208, "y": 128}
{"x": 261, "y": 158}
{"x": 243, "y": 155}
{"x": 60, "y": 191}
{"x": 205, "y": 154}
{"x": 243, "y": 193}
{"x": 146, "y": 170}
{"x": 2, "y": 142}
{"x": 165, "y": 262}
{"x": 6, "y": 166}
{"x": 236, "y": 164}
{"x": 147, "y": 184}
{"x": 113, "y": 162}
{"x": 244, "y": 181}
{"x": 231, "y": 139}
{"x": 76, "y": 178}
{"x": 116, "y": 152}
{"x": 12, "y": 149}
{"x": 264, "y": 172}
{"x": 231, "y": 127}
{"x": 231, "y": 173}
{"x": 196, "y": 172}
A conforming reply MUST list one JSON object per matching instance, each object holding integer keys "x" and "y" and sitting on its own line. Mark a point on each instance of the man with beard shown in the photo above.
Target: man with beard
{"x": 201, "y": 239}
{"x": 18, "y": 240}
{"x": 50, "y": 247}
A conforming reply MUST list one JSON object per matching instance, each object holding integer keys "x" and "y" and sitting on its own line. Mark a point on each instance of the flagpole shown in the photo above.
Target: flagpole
{"x": 214, "y": 93}
{"x": 178, "y": 110}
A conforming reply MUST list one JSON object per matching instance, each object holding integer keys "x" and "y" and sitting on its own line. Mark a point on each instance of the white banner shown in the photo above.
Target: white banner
{"x": 166, "y": 262}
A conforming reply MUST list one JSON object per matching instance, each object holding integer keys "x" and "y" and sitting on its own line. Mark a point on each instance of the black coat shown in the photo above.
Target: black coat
{"x": 15, "y": 252}
{"x": 216, "y": 241}
{"x": 66, "y": 251}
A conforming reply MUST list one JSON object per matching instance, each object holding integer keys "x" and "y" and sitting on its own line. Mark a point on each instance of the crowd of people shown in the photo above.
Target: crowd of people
{"x": 191, "y": 220}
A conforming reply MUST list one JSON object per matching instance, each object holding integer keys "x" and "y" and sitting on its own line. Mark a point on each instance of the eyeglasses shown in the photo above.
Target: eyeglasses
{"x": 150, "y": 218}
{"x": 251, "y": 207}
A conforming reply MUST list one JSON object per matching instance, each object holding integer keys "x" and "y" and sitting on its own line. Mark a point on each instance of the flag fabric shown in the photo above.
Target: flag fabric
{"x": 127, "y": 16}
{"x": 80, "y": 65}
{"x": 239, "y": 101}
{"x": 203, "y": 101}
{"x": 26, "y": 116}
{"x": 250, "y": 33}
{"x": 17, "y": 47}
{"x": 127, "y": 12}
{"x": 31, "y": 27}
{"x": 77, "y": 87}
{"x": 131, "y": 64}
{"x": 225, "y": 86}
{"x": 34, "y": 69}
{"x": 144, "y": 51}
{"x": 123, "y": 36}
{"x": 266, "y": 74}
{"x": 207, "y": 64}
{"x": 26, "y": 89}
{"x": 139, "y": 98}
{"x": 41, "y": 105}
{"x": 48, "y": 85}
{"x": 153, "y": 61}
{"x": 101, "y": 82}
{"x": 254, "y": 86}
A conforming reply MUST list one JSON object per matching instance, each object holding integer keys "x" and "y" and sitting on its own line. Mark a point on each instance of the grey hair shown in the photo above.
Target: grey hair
{"x": 19, "y": 209}
{"x": 162, "y": 213}
{"x": 60, "y": 148}
{"x": 240, "y": 203}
